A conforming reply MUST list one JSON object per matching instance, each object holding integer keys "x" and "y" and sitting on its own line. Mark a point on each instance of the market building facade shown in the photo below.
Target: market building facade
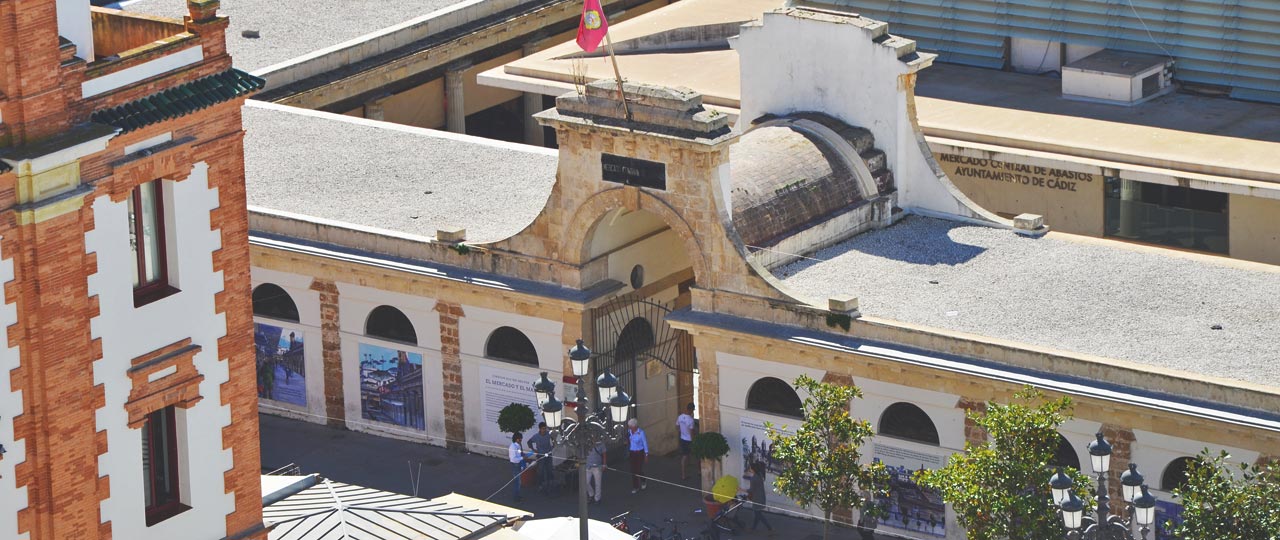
{"x": 637, "y": 234}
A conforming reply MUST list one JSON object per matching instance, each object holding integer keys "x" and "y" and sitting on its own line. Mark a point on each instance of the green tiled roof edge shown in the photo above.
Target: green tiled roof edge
{"x": 180, "y": 100}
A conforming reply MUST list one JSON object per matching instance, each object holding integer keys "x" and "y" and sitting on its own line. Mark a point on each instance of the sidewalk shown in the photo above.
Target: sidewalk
{"x": 393, "y": 465}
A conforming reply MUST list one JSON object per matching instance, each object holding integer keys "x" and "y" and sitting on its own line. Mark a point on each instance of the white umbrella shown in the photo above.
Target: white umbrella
{"x": 566, "y": 528}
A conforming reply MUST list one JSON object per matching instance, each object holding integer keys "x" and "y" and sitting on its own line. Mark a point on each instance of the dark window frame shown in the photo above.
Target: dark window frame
{"x": 492, "y": 351}
{"x": 772, "y": 401}
{"x": 158, "y": 288}
{"x": 160, "y": 510}
{"x": 903, "y": 430}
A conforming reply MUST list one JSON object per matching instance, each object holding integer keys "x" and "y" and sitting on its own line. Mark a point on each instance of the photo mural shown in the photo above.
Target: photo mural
{"x": 281, "y": 367}
{"x": 391, "y": 386}
{"x": 910, "y": 506}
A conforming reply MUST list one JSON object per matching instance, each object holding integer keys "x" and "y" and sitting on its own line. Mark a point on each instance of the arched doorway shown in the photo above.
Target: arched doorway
{"x": 655, "y": 363}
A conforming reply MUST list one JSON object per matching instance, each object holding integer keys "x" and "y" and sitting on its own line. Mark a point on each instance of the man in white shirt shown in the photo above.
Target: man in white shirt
{"x": 685, "y": 423}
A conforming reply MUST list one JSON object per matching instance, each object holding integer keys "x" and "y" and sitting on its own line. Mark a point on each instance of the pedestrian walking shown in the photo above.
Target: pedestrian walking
{"x": 596, "y": 458}
{"x": 685, "y": 424}
{"x": 639, "y": 455}
{"x": 541, "y": 445}
{"x": 516, "y": 456}
{"x": 756, "y": 493}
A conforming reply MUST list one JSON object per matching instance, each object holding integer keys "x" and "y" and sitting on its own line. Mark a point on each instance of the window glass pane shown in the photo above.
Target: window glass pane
{"x": 147, "y": 479}
{"x": 164, "y": 465}
{"x": 150, "y": 232}
{"x": 1172, "y": 216}
{"x": 133, "y": 240}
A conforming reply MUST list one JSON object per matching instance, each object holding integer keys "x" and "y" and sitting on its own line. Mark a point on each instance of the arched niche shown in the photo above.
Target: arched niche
{"x": 391, "y": 324}
{"x": 511, "y": 345}
{"x": 269, "y": 300}
{"x": 907, "y": 421}
{"x": 774, "y": 396}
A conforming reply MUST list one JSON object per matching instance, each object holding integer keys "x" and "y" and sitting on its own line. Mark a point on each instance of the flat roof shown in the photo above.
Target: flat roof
{"x": 1177, "y": 131}
{"x": 391, "y": 177}
{"x": 292, "y": 28}
{"x": 1146, "y": 305}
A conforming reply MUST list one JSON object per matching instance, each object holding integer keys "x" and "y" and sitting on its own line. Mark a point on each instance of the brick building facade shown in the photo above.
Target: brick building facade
{"x": 127, "y": 406}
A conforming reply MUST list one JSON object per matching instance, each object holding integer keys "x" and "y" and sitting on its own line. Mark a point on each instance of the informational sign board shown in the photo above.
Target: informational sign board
{"x": 499, "y": 388}
{"x": 910, "y": 506}
{"x": 633, "y": 172}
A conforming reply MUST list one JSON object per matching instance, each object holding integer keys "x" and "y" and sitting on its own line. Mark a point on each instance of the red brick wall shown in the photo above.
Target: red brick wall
{"x": 455, "y": 426}
{"x": 331, "y": 352}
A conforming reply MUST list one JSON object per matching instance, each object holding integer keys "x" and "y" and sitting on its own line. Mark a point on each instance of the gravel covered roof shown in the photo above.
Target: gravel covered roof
{"x": 405, "y": 179}
{"x": 1097, "y": 297}
{"x": 292, "y": 28}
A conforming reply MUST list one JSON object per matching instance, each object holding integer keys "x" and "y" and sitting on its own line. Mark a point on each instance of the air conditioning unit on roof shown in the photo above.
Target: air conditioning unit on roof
{"x": 1122, "y": 78}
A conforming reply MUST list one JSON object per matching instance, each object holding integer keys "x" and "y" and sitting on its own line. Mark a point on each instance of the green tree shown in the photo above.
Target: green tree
{"x": 1000, "y": 489}
{"x": 821, "y": 459}
{"x": 1219, "y": 503}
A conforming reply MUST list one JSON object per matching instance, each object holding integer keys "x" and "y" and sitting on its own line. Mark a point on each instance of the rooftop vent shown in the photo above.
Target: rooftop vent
{"x": 1122, "y": 78}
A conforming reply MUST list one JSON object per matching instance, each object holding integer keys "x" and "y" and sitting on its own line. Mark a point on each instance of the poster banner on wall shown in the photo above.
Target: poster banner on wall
{"x": 755, "y": 445}
{"x": 281, "y": 368}
{"x": 910, "y": 506}
{"x": 391, "y": 386}
{"x": 502, "y": 387}
{"x": 1166, "y": 511}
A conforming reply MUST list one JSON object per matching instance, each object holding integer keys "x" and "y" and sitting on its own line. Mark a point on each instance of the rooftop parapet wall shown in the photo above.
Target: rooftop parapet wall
{"x": 787, "y": 66}
{"x": 675, "y": 111}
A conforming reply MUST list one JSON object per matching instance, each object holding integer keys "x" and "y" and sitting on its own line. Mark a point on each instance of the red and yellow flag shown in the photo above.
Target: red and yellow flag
{"x": 592, "y": 27}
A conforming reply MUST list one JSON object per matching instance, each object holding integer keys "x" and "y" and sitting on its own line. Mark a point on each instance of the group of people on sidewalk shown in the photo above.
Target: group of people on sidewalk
{"x": 540, "y": 446}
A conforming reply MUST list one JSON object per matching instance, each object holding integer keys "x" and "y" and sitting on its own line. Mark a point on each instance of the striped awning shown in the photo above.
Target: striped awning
{"x": 332, "y": 510}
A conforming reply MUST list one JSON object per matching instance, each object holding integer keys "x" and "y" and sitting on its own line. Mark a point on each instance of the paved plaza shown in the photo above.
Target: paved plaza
{"x": 399, "y": 466}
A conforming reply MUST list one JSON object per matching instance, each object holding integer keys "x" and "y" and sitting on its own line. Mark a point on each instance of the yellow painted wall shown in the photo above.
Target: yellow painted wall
{"x": 421, "y": 106}
{"x": 1068, "y": 195}
{"x": 480, "y": 97}
{"x": 1255, "y": 228}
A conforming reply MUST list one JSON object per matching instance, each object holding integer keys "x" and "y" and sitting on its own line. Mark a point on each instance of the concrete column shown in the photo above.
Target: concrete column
{"x": 455, "y": 109}
{"x": 331, "y": 352}
{"x": 455, "y": 425}
{"x": 532, "y": 130}
{"x": 532, "y": 103}
{"x": 373, "y": 110}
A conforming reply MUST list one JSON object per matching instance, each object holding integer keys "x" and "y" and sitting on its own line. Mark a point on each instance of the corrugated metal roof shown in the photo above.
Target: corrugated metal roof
{"x": 1227, "y": 43}
{"x": 336, "y": 511}
{"x": 180, "y": 100}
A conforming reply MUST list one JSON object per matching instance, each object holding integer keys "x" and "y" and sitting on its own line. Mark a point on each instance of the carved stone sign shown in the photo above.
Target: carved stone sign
{"x": 633, "y": 172}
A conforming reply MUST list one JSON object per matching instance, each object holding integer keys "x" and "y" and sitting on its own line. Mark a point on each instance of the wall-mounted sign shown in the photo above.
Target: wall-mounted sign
{"x": 1015, "y": 173}
{"x": 633, "y": 172}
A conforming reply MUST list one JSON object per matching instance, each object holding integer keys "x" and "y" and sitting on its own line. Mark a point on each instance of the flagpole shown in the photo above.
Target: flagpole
{"x": 617, "y": 75}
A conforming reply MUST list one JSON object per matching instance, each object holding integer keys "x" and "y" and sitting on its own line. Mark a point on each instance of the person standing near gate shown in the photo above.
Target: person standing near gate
{"x": 596, "y": 458}
{"x": 516, "y": 456}
{"x": 639, "y": 455}
{"x": 684, "y": 423}
{"x": 542, "y": 446}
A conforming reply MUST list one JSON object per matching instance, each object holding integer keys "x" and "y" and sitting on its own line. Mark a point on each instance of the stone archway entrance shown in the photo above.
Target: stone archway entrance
{"x": 655, "y": 363}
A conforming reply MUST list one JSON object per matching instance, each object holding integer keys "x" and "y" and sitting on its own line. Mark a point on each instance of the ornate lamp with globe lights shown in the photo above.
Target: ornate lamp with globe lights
{"x": 1140, "y": 504}
{"x": 605, "y": 425}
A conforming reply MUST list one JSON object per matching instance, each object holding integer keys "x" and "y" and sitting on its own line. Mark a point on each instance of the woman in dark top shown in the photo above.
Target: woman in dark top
{"x": 755, "y": 492}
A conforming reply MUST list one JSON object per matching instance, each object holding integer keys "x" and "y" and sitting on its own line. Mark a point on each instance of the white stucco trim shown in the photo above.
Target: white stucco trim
{"x": 12, "y": 497}
{"x": 125, "y": 77}
{"x": 477, "y": 324}
{"x": 356, "y": 302}
{"x": 149, "y": 143}
{"x": 128, "y": 332}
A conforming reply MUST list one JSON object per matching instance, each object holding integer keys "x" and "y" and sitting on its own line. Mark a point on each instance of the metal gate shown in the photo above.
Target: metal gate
{"x": 633, "y": 332}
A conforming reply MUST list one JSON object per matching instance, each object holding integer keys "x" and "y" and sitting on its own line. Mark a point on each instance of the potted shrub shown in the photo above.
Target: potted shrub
{"x": 711, "y": 446}
{"x": 518, "y": 418}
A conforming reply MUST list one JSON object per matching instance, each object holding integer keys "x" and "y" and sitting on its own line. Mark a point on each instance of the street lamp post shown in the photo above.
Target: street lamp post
{"x": 1140, "y": 505}
{"x": 605, "y": 425}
